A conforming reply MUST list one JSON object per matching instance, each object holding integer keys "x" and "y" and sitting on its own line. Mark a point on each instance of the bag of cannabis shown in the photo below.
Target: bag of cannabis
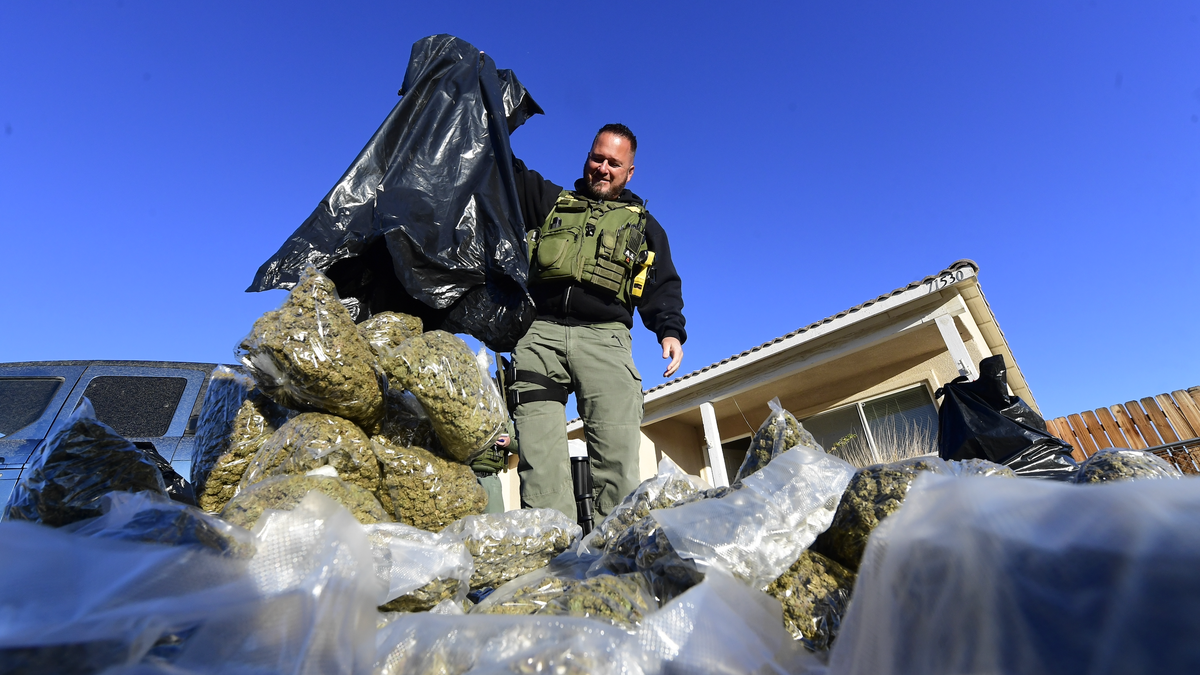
{"x": 660, "y": 491}
{"x": 405, "y": 422}
{"x": 313, "y": 440}
{"x": 81, "y": 460}
{"x": 387, "y": 330}
{"x": 285, "y": 492}
{"x": 423, "y": 490}
{"x": 874, "y": 493}
{"x": 979, "y": 467}
{"x": 621, "y": 600}
{"x": 507, "y": 545}
{"x": 1031, "y": 577}
{"x": 419, "y": 569}
{"x": 814, "y": 592}
{"x": 1119, "y": 464}
{"x": 147, "y": 517}
{"x": 308, "y": 355}
{"x": 235, "y": 420}
{"x": 454, "y": 388}
{"x": 779, "y": 433}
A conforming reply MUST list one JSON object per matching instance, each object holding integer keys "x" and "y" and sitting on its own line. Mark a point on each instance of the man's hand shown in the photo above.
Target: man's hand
{"x": 674, "y": 351}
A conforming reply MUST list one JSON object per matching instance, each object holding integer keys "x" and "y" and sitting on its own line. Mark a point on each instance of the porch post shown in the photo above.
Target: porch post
{"x": 712, "y": 442}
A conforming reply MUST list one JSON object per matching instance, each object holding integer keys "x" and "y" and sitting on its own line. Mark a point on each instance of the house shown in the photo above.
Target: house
{"x": 864, "y": 379}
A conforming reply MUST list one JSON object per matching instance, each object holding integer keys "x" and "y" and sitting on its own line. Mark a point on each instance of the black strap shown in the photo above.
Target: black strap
{"x": 550, "y": 390}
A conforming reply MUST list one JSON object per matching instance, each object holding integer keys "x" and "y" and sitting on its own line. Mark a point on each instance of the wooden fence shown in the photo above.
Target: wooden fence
{"x": 1167, "y": 425}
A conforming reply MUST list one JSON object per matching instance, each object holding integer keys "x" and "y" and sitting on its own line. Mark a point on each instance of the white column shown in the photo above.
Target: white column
{"x": 954, "y": 344}
{"x": 712, "y": 442}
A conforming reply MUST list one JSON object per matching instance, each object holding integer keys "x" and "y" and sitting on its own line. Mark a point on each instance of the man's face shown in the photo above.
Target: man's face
{"x": 609, "y": 166}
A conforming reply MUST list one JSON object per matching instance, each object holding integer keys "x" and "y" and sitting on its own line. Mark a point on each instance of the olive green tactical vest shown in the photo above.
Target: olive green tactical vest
{"x": 596, "y": 243}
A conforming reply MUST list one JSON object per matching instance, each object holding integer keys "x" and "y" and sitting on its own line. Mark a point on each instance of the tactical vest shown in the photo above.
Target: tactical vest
{"x": 590, "y": 242}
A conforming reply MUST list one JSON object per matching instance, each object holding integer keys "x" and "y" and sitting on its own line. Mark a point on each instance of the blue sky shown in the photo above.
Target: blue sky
{"x": 803, "y": 156}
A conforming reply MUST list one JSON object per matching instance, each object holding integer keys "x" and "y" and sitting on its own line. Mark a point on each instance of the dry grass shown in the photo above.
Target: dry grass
{"x": 892, "y": 443}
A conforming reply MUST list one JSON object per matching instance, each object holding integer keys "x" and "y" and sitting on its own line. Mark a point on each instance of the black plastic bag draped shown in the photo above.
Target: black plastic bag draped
{"x": 426, "y": 219}
{"x": 979, "y": 420}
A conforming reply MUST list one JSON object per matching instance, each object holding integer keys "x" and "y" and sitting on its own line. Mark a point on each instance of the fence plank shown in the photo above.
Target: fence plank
{"x": 1060, "y": 428}
{"x": 1077, "y": 423}
{"x": 1182, "y": 428}
{"x": 1144, "y": 427}
{"x": 1159, "y": 420}
{"x": 1097, "y": 430}
{"x": 1112, "y": 428}
{"x": 1188, "y": 408}
{"x": 1125, "y": 422}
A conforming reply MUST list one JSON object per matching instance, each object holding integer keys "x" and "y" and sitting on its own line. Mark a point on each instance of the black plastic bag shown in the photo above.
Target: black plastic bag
{"x": 426, "y": 219}
{"x": 178, "y": 489}
{"x": 979, "y": 420}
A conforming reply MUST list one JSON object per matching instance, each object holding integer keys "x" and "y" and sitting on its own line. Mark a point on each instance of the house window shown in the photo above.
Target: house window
{"x": 884, "y": 429}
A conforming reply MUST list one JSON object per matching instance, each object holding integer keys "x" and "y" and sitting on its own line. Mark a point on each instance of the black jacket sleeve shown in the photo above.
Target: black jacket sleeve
{"x": 661, "y": 306}
{"x": 536, "y": 194}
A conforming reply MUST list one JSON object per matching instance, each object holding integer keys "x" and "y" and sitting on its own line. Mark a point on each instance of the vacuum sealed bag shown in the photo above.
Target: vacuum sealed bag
{"x": 313, "y": 440}
{"x": 308, "y": 355}
{"x": 147, "y": 517}
{"x": 419, "y": 569}
{"x": 1025, "y": 576}
{"x": 621, "y": 600}
{"x": 777, "y": 434}
{"x": 507, "y": 545}
{"x": 423, "y": 490}
{"x": 659, "y": 491}
{"x": 1119, "y": 464}
{"x": 814, "y": 592}
{"x": 285, "y": 492}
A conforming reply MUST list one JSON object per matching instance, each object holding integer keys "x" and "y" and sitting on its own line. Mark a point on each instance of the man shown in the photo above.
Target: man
{"x": 587, "y": 247}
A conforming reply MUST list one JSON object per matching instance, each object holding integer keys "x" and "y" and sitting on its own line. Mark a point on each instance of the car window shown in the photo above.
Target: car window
{"x": 136, "y": 407}
{"x": 23, "y": 400}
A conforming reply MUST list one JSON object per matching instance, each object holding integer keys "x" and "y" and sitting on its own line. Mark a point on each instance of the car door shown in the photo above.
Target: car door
{"x": 31, "y": 397}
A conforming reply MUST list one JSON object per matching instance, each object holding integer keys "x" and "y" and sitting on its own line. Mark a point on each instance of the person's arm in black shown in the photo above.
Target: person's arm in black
{"x": 661, "y": 306}
{"x": 537, "y": 195}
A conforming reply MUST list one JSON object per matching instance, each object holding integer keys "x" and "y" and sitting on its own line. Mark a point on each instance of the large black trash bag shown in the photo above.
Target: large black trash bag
{"x": 979, "y": 420}
{"x": 426, "y": 219}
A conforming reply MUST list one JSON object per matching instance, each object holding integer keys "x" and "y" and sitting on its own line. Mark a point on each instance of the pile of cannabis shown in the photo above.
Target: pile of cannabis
{"x": 814, "y": 592}
{"x": 460, "y": 399}
{"x": 779, "y": 433}
{"x": 424, "y": 490}
{"x": 1119, "y": 464}
{"x": 309, "y": 356}
{"x": 286, "y": 492}
{"x": 507, "y": 545}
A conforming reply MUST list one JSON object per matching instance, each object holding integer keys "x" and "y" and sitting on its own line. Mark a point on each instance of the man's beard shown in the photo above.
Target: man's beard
{"x": 612, "y": 192}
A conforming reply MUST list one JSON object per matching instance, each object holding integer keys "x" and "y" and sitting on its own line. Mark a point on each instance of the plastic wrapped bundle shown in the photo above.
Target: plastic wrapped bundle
{"x": 419, "y": 569}
{"x": 708, "y": 493}
{"x": 146, "y": 517}
{"x": 644, "y": 548}
{"x": 405, "y": 422}
{"x": 285, "y": 492}
{"x": 387, "y": 330}
{"x": 1109, "y": 465}
{"x": 621, "y": 600}
{"x": 720, "y": 626}
{"x": 308, "y": 355}
{"x": 507, "y": 545}
{"x": 455, "y": 390}
{"x": 81, "y": 460}
{"x": 1031, "y": 577}
{"x": 426, "y": 491}
{"x": 779, "y": 433}
{"x": 313, "y": 440}
{"x": 660, "y": 491}
{"x": 875, "y": 492}
{"x": 814, "y": 592}
{"x": 979, "y": 467}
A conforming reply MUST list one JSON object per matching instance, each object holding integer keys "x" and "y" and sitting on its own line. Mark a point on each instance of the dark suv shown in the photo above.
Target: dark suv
{"x": 154, "y": 402}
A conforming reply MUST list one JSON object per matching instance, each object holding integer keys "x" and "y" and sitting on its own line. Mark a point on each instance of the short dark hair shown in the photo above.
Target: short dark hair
{"x": 620, "y": 130}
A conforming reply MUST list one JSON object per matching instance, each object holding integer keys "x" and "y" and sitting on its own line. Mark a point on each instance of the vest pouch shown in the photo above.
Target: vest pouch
{"x": 604, "y": 274}
{"x": 557, "y": 256}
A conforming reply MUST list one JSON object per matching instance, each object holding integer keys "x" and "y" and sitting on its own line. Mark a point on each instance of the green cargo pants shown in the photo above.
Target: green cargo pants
{"x": 596, "y": 362}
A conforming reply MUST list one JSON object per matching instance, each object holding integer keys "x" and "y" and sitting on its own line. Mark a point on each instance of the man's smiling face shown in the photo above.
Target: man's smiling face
{"x": 609, "y": 166}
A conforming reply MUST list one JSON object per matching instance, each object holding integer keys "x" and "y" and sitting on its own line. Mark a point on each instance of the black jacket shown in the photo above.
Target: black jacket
{"x": 661, "y": 304}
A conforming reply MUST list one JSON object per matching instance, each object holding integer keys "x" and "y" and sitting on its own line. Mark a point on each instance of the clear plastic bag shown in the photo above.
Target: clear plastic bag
{"x": 814, "y": 592}
{"x": 146, "y": 517}
{"x": 621, "y": 600}
{"x": 80, "y": 461}
{"x": 285, "y": 492}
{"x": 1120, "y": 464}
{"x": 720, "y": 626}
{"x": 423, "y": 490}
{"x": 307, "y": 355}
{"x": 507, "y": 545}
{"x": 1031, "y": 577}
{"x": 419, "y": 569}
{"x": 979, "y": 467}
{"x": 454, "y": 388}
{"x": 405, "y": 422}
{"x": 660, "y": 491}
{"x": 387, "y": 330}
{"x": 313, "y": 440}
{"x": 757, "y": 532}
{"x": 875, "y": 492}
{"x": 777, "y": 434}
